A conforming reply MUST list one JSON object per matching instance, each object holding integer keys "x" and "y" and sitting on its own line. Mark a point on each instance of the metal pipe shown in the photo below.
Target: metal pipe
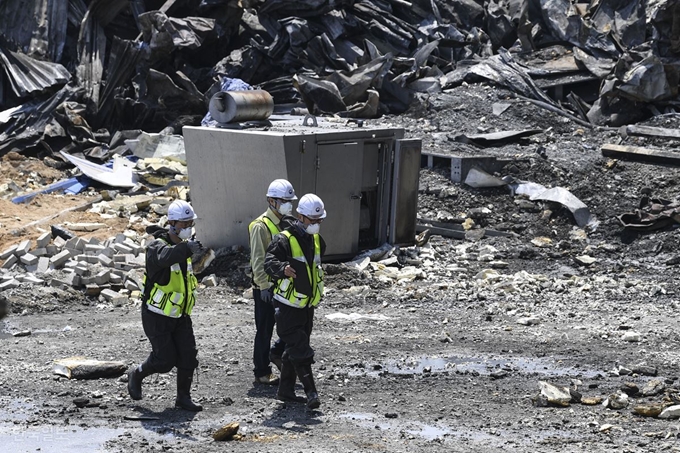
{"x": 234, "y": 106}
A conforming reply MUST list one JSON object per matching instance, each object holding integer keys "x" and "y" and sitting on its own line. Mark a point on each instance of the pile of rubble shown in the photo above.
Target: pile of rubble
{"x": 77, "y": 71}
{"x": 111, "y": 269}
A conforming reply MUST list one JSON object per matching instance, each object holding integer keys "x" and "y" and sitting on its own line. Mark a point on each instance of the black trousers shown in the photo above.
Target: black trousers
{"x": 264, "y": 325}
{"x": 172, "y": 341}
{"x": 294, "y": 327}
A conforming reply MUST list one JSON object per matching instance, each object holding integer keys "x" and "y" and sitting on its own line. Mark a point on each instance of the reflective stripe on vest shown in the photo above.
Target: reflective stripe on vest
{"x": 271, "y": 226}
{"x": 285, "y": 288}
{"x": 178, "y": 296}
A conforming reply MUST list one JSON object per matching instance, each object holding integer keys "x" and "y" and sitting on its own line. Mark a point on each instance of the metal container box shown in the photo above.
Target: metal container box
{"x": 367, "y": 178}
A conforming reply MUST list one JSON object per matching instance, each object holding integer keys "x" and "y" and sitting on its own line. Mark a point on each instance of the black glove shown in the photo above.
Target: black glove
{"x": 195, "y": 247}
{"x": 266, "y": 295}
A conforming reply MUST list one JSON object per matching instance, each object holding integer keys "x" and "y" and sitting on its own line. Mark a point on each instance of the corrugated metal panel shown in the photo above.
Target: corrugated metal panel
{"x": 37, "y": 27}
{"x": 28, "y": 75}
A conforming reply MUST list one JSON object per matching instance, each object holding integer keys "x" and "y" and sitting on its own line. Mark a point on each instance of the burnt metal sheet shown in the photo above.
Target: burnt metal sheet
{"x": 28, "y": 75}
{"x": 496, "y": 138}
{"x": 26, "y": 126}
{"x": 37, "y": 28}
{"x": 92, "y": 45}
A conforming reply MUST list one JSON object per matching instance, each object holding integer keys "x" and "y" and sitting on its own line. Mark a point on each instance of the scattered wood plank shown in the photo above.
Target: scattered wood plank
{"x": 649, "y": 131}
{"x": 641, "y": 154}
{"x": 457, "y": 228}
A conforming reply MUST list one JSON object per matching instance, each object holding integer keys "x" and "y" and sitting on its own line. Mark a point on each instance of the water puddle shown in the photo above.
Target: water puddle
{"x": 55, "y": 439}
{"x": 439, "y": 433}
{"x": 482, "y": 365}
{"x": 430, "y": 432}
{"x": 372, "y": 421}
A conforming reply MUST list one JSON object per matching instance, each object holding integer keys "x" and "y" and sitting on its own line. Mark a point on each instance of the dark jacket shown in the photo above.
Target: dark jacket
{"x": 279, "y": 254}
{"x": 160, "y": 256}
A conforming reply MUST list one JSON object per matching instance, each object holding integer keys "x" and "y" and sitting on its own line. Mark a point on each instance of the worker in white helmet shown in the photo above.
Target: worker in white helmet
{"x": 293, "y": 260}
{"x": 167, "y": 301}
{"x": 280, "y": 197}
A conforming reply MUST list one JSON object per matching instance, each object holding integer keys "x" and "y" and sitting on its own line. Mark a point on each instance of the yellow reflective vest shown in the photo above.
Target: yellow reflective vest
{"x": 285, "y": 291}
{"x": 178, "y": 296}
{"x": 259, "y": 250}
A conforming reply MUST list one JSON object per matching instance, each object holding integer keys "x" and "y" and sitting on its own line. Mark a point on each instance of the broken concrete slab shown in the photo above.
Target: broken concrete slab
{"x": 84, "y": 368}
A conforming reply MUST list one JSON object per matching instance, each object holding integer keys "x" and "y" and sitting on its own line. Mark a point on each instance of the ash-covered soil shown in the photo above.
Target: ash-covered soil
{"x": 442, "y": 349}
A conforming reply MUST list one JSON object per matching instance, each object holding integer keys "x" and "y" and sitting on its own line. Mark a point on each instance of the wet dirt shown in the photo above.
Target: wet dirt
{"x": 446, "y": 367}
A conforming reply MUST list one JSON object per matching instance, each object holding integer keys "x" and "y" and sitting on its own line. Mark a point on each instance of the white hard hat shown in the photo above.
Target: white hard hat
{"x": 281, "y": 188}
{"x": 181, "y": 210}
{"x": 311, "y": 206}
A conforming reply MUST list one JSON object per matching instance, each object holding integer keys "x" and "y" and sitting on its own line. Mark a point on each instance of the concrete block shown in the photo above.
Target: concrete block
{"x": 120, "y": 238}
{"x": 60, "y": 258}
{"x": 115, "y": 279}
{"x": 23, "y": 248}
{"x": 119, "y": 258}
{"x": 71, "y": 243}
{"x": 39, "y": 252}
{"x": 43, "y": 265}
{"x": 81, "y": 268}
{"x": 80, "y": 244}
{"x": 113, "y": 296}
{"x": 136, "y": 249}
{"x": 93, "y": 290}
{"x": 87, "y": 281}
{"x": 92, "y": 259}
{"x": 108, "y": 251}
{"x": 94, "y": 249}
{"x": 94, "y": 241}
{"x": 9, "y": 262}
{"x": 30, "y": 278}
{"x": 73, "y": 252}
{"x": 8, "y": 252}
{"x": 28, "y": 259}
{"x": 122, "y": 248}
{"x": 43, "y": 240}
{"x": 9, "y": 284}
{"x": 130, "y": 285}
{"x": 72, "y": 279}
{"x": 105, "y": 260}
{"x": 102, "y": 277}
{"x": 59, "y": 242}
{"x": 52, "y": 250}
{"x": 210, "y": 280}
{"x": 137, "y": 261}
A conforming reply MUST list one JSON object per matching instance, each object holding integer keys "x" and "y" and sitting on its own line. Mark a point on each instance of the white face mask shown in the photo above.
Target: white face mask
{"x": 185, "y": 233}
{"x": 285, "y": 208}
{"x": 313, "y": 228}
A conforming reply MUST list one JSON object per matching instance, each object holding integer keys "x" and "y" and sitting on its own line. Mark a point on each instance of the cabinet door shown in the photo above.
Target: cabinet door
{"x": 405, "y": 179}
{"x": 338, "y": 183}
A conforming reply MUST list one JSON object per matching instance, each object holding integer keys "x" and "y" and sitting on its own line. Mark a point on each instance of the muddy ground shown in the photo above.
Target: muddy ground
{"x": 437, "y": 361}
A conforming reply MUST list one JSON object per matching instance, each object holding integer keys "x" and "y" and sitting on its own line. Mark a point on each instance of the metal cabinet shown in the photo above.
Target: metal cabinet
{"x": 367, "y": 178}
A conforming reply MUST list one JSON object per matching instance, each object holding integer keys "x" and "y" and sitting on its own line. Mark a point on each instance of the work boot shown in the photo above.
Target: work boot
{"x": 276, "y": 360}
{"x": 135, "y": 377}
{"x": 286, "y": 391}
{"x": 304, "y": 373}
{"x": 184, "y": 379}
{"x": 267, "y": 379}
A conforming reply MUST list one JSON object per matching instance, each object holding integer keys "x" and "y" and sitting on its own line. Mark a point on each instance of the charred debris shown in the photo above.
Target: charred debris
{"x": 83, "y": 77}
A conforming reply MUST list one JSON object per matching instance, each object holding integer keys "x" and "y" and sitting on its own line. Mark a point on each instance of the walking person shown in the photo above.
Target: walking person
{"x": 294, "y": 260}
{"x": 167, "y": 301}
{"x": 280, "y": 197}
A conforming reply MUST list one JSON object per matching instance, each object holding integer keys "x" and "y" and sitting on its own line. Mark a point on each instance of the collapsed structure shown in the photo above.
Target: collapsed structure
{"x": 77, "y": 71}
